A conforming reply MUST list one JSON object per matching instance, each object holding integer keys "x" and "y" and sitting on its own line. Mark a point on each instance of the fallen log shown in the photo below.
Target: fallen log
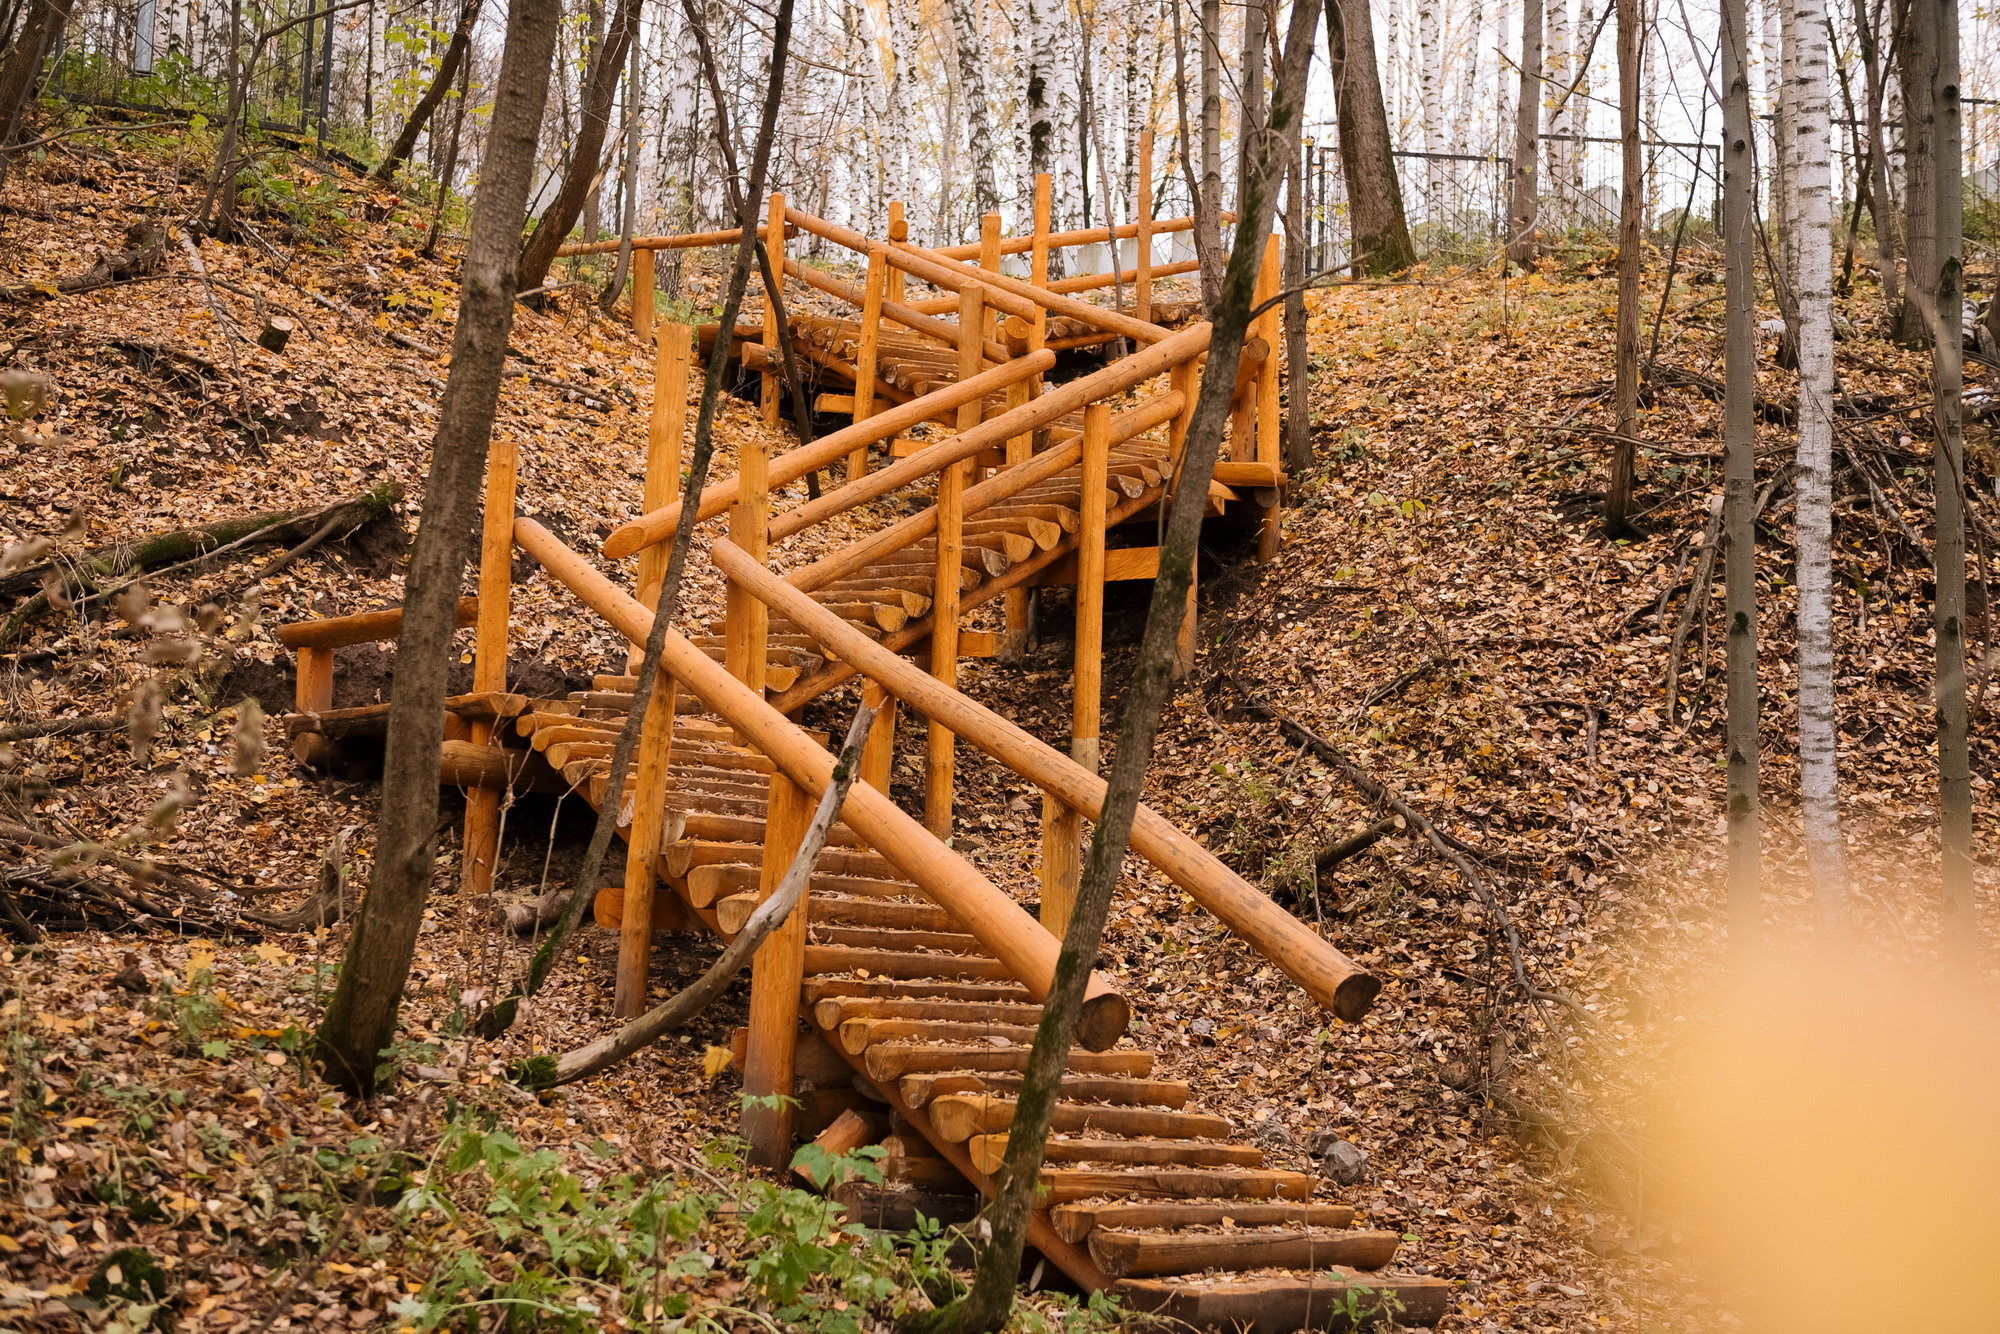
{"x": 145, "y": 248}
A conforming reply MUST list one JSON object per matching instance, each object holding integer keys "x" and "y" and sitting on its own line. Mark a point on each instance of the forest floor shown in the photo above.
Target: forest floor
{"x": 1445, "y": 611}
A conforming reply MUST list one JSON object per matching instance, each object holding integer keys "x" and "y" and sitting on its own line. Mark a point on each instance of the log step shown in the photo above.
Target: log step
{"x": 817, "y": 989}
{"x": 987, "y": 1150}
{"x": 1282, "y": 1305}
{"x": 889, "y": 1061}
{"x": 732, "y": 912}
{"x": 960, "y": 1116}
{"x": 836, "y": 1010}
{"x": 890, "y": 963}
{"x": 709, "y": 884}
{"x": 889, "y": 938}
{"x": 858, "y": 1035}
{"x": 688, "y": 853}
{"x": 1074, "y": 1222}
{"x": 918, "y": 1090}
{"x": 1068, "y": 1184}
{"x": 1124, "y": 1253}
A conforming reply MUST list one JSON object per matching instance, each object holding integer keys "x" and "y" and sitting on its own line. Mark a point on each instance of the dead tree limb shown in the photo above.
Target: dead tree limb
{"x": 145, "y": 250}
{"x": 1353, "y": 845}
{"x": 770, "y": 915}
{"x": 93, "y": 722}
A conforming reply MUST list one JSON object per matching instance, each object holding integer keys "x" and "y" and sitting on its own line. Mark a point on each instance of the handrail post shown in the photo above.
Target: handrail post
{"x": 866, "y": 354}
{"x": 899, "y": 230}
{"x": 642, "y": 294}
{"x": 1268, "y": 442}
{"x": 938, "y": 772}
{"x": 1143, "y": 233}
{"x": 1062, "y": 827}
{"x": 774, "y": 246}
{"x": 776, "y": 972}
{"x": 665, "y": 430}
{"x": 643, "y": 844}
{"x": 746, "y": 620}
{"x": 481, "y": 851}
{"x": 878, "y": 752}
{"x": 989, "y": 260}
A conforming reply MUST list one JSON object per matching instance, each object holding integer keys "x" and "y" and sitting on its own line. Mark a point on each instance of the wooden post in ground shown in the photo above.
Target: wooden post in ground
{"x": 938, "y": 771}
{"x": 989, "y": 261}
{"x": 1184, "y": 379}
{"x": 481, "y": 851}
{"x": 776, "y": 972}
{"x": 865, "y": 354}
{"x": 774, "y": 244}
{"x": 1143, "y": 283}
{"x": 878, "y": 753}
{"x": 746, "y": 619}
{"x": 1019, "y": 449}
{"x": 643, "y": 843}
{"x": 899, "y": 230}
{"x": 664, "y": 433}
{"x": 1270, "y": 445}
{"x": 313, "y": 690}
{"x": 642, "y": 294}
{"x": 1089, "y": 673}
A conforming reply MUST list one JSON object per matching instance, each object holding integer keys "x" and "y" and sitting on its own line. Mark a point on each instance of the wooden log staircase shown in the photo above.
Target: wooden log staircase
{"x": 898, "y": 1004}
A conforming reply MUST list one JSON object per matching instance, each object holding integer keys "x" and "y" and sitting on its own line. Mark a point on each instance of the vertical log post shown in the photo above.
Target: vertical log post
{"x": 642, "y": 850}
{"x": 899, "y": 230}
{"x": 642, "y": 294}
{"x": 865, "y": 355}
{"x": 1143, "y": 283}
{"x": 489, "y": 656}
{"x": 1270, "y": 442}
{"x": 746, "y": 618}
{"x": 1089, "y": 674}
{"x": 774, "y": 244}
{"x": 1062, "y": 862}
{"x": 664, "y": 433}
{"x": 938, "y": 771}
{"x": 1184, "y": 379}
{"x": 776, "y": 972}
{"x": 878, "y": 753}
{"x": 313, "y": 691}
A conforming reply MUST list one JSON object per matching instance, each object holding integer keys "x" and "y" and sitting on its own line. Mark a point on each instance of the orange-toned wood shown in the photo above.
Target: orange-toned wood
{"x": 313, "y": 691}
{"x": 878, "y": 753}
{"x": 774, "y": 246}
{"x": 899, "y": 230}
{"x": 480, "y": 852}
{"x": 1089, "y": 668}
{"x": 642, "y": 295}
{"x": 643, "y": 844}
{"x": 366, "y": 627}
{"x": 776, "y": 972}
{"x": 745, "y": 652}
{"x": 874, "y": 289}
{"x": 939, "y": 779}
{"x": 665, "y": 432}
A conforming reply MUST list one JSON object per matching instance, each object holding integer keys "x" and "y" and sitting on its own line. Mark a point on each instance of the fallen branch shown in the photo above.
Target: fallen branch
{"x": 331, "y": 900}
{"x": 531, "y": 915}
{"x": 770, "y": 914}
{"x": 1381, "y": 792}
{"x": 1353, "y": 845}
{"x": 93, "y": 722}
{"x": 145, "y": 248}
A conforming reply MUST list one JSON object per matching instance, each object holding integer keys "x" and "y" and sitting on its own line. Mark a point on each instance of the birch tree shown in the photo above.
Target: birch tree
{"x": 1430, "y": 96}
{"x": 1809, "y": 185}
{"x": 1524, "y": 183}
{"x": 1559, "y": 73}
{"x": 967, "y": 43}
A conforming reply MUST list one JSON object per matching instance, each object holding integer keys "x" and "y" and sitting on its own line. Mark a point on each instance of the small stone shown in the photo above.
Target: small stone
{"x": 1344, "y": 1161}
{"x": 1201, "y": 1028}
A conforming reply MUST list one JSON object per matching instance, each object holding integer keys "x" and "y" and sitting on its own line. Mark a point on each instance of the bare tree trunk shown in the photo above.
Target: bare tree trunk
{"x": 968, "y": 44}
{"x": 1917, "y": 58}
{"x": 17, "y": 80}
{"x": 1208, "y": 204}
{"x": 1523, "y": 182}
{"x": 607, "y": 62}
{"x": 361, "y": 1021}
{"x": 1809, "y": 181}
{"x": 1739, "y": 487}
{"x": 628, "y": 213}
{"x": 1298, "y": 358}
{"x": 1381, "y": 233}
{"x": 427, "y": 105}
{"x": 1625, "y": 449}
{"x": 987, "y": 1306}
{"x": 450, "y": 158}
{"x": 1945, "y": 294}
{"x": 1881, "y": 203}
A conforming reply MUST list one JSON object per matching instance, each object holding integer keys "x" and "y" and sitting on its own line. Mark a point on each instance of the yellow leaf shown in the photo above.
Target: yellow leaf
{"x": 201, "y": 959}
{"x": 715, "y": 1060}
{"x": 270, "y": 953}
{"x": 80, "y": 1122}
{"x": 7, "y": 1243}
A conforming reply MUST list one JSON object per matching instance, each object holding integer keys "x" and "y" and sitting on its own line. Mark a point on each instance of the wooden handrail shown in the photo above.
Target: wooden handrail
{"x": 1085, "y": 283}
{"x": 999, "y": 284}
{"x": 658, "y": 525}
{"x": 917, "y": 319}
{"x": 1002, "y": 926}
{"x": 917, "y": 262}
{"x": 1030, "y": 416}
{"x": 367, "y": 627}
{"x": 1020, "y": 245}
{"x": 1330, "y": 977}
{"x": 683, "y": 241}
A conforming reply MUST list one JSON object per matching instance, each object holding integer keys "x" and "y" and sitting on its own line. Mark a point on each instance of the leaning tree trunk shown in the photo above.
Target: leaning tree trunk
{"x": 17, "y": 80}
{"x": 420, "y": 115}
{"x": 1739, "y": 487}
{"x": 1523, "y": 183}
{"x": 361, "y": 1020}
{"x": 1809, "y": 178}
{"x": 1381, "y": 234}
{"x": 607, "y": 63}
